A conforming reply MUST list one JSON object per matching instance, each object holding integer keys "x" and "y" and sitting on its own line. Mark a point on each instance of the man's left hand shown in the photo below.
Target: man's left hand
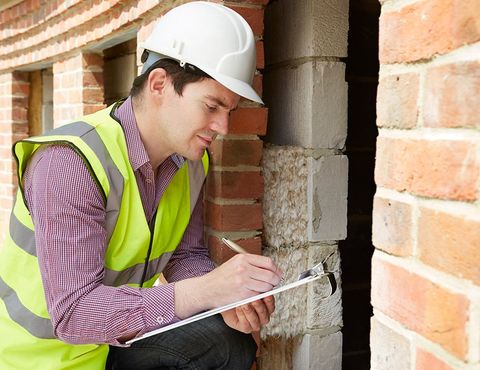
{"x": 250, "y": 317}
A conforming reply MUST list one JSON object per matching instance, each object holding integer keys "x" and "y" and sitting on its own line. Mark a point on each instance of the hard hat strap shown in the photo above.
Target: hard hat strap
{"x": 190, "y": 68}
{"x": 150, "y": 61}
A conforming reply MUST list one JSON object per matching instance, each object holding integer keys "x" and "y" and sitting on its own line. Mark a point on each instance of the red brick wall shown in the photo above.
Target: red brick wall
{"x": 77, "y": 87}
{"x": 14, "y": 89}
{"x": 426, "y": 219}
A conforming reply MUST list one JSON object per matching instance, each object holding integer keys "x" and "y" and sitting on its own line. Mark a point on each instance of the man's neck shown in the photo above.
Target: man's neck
{"x": 148, "y": 128}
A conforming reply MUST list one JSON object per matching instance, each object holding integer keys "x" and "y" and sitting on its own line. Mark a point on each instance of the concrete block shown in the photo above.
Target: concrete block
{"x": 327, "y": 198}
{"x": 305, "y": 308}
{"x": 305, "y": 28}
{"x": 324, "y": 312}
{"x": 315, "y": 352}
{"x": 305, "y": 199}
{"x": 390, "y": 350}
{"x": 285, "y": 175}
{"x": 290, "y": 316}
{"x": 307, "y": 105}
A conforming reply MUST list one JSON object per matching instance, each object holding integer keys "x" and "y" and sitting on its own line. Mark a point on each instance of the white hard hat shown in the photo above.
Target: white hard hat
{"x": 211, "y": 37}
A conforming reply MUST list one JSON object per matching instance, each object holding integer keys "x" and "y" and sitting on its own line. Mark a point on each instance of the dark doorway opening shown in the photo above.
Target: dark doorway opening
{"x": 356, "y": 251}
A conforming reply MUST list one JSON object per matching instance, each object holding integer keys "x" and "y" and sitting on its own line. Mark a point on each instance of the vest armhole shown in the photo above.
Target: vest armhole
{"x": 76, "y": 150}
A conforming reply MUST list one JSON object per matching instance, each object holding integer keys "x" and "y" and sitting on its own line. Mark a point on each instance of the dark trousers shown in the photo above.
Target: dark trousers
{"x": 201, "y": 345}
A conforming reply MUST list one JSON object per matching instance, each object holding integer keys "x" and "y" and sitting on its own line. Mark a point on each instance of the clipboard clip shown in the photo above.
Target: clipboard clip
{"x": 319, "y": 270}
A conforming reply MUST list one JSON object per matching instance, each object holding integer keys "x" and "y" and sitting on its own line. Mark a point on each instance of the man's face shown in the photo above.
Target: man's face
{"x": 192, "y": 121}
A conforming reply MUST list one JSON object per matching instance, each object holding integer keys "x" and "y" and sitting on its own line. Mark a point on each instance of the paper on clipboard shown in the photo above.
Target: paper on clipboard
{"x": 227, "y": 307}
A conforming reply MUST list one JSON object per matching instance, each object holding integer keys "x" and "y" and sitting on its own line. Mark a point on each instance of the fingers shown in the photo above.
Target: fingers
{"x": 250, "y": 317}
{"x": 238, "y": 278}
{"x": 264, "y": 262}
{"x": 258, "y": 312}
{"x": 262, "y": 316}
{"x": 266, "y": 269}
{"x": 260, "y": 274}
{"x": 269, "y": 303}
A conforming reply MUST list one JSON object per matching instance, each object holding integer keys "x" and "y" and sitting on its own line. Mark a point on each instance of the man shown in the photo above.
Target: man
{"x": 107, "y": 203}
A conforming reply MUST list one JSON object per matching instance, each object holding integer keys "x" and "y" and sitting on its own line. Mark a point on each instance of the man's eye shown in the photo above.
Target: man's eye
{"x": 211, "y": 108}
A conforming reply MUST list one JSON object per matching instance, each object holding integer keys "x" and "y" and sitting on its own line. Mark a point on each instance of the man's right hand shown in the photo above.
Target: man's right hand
{"x": 242, "y": 276}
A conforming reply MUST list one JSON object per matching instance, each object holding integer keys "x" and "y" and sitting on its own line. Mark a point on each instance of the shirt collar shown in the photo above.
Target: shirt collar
{"x": 136, "y": 150}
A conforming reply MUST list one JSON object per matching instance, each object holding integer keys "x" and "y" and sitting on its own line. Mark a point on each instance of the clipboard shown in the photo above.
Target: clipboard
{"x": 314, "y": 273}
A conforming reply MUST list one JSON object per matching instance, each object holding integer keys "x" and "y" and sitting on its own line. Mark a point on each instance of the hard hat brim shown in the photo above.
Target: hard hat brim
{"x": 237, "y": 86}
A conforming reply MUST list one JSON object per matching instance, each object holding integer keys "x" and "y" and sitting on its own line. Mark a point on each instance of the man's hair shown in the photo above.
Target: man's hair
{"x": 180, "y": 76}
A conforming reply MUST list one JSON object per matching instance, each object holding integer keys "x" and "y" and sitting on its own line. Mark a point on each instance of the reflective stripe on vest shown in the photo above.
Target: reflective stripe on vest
{"x": 100, "y": 142}
{"x": 37, "y": 326}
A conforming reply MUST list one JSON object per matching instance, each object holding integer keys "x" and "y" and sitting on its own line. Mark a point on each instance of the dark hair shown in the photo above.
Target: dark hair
{"x": 181, "y": 76}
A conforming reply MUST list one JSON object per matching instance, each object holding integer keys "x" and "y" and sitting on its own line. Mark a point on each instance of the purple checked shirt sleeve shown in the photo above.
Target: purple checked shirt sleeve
{"x": 69, "y": 217}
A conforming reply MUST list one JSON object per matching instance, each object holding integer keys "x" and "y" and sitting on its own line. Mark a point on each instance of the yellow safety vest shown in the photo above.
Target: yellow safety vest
{"x": 27, "y": 340}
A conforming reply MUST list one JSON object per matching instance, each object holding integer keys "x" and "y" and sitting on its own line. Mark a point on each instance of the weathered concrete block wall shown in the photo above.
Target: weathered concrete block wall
{"x": 426, "y": 218}
{"x": 305, "y": 174}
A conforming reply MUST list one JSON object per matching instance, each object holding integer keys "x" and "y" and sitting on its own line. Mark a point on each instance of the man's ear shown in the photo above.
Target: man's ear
{"x": 157, "y": 82}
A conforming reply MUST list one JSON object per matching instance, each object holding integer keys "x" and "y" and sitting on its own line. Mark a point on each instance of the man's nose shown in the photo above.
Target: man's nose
{"x": 220, "y": 125}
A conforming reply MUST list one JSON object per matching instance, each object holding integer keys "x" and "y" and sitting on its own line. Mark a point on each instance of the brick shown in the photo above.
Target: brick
{"x": 20, "y": 77}
{"x": 5, "y": 152}
{"x": 254, "y": 17}
{"x": 92, "y": 79}
{"x": 260, "y": 54}
{"x": 14, "y": 127}
{"x": 426, "y": 28}
{"x": 419, "y": 304}
{"x": 92, "y": 108}
{"x": 450, "y": 243}
{"x": 18, "y": 136}
{"x": 6, "y": 203}
{"x": 258, "y": 84}
{"x": 236, "y": 152}
{"x": 390, "y": 349}
{"x": 251, "y": 121}
{"x": 220, "y": 253}
{"x": 93, "y": 96}
{"x": 92, "y": 59}
{"x": 20, "y": 88}
{"x": 75, "y": 96}
{"x": 392, "y": 224}
{"x": 67, "y": 80}
{"x": 427, "y": 361}
{"x": 397, "y": 101}
{"x": 235, "y": 185}
{"x": 452, "y": 95}
{"x": 19, "y": 114}
{"x": 19, "y": 101}
{"x": 439, "y": 169}
{"x": 234, "y": 217}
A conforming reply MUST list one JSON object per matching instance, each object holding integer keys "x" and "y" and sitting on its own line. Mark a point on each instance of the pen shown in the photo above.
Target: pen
{"x": 234, "y": 246}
